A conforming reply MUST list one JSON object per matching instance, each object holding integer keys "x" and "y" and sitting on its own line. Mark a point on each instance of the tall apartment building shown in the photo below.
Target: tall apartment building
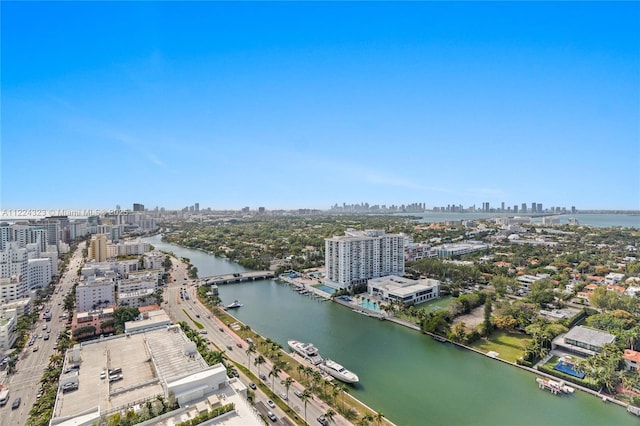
{"x": 98, "y": 248}
{"x": 8, "y": 333}
{"x": 13, "y": 261}
{"x": 39, "y": 272}
{"x": 95, "y": 292}
{"x": 12, "y": 288}
{"x": 358, "y": 256}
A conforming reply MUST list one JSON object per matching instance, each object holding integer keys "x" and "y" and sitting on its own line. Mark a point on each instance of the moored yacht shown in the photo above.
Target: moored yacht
{"x": 235, "y": 304}
{"x": 339, "y": 372}
{"x": 306, "y": 350}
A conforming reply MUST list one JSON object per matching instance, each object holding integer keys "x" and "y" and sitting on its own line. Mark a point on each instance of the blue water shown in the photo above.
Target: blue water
{"x": 370, "y": 305}
{"x": 324, "y": 288}
{"x": 568, "y": 369}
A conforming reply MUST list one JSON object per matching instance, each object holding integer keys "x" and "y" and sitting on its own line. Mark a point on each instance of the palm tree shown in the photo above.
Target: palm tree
{"x": 366, "y": 419}
{"x": 317, "y": 378}
{"x": 308, "y": 371}
{"x": 302, "y": 370}
{"x": 344, "y": 389}
{"x": 378, "y": 417}
{"x": 259, "y": 360}
{"x": 325, "y": 382}
{"x": 306, "y": 394}
{"x": 274, "y": 373}
{"x": 287, "y": 384}
{"x": 335, "y": 391}
{"x": 251, "y": 349}
{"x": 329, "y": 415}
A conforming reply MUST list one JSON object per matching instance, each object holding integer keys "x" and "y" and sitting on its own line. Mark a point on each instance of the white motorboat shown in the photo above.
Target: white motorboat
{"x": 339, "y": 372}
{"x": 306, "y": 350}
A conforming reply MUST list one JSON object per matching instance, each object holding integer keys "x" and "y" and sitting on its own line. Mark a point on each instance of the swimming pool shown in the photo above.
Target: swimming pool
{"x": 567, "y": 368}
{"x": 367, "y": 304}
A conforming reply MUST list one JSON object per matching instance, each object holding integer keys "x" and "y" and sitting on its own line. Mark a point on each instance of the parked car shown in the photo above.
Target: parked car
{"x": 16, "y": 403}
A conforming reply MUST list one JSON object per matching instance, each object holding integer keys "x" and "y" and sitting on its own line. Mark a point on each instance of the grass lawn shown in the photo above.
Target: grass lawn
{"x": 430, "y": 306}
{"x": 508, "y": 345}
{"x": 437, "y": 304}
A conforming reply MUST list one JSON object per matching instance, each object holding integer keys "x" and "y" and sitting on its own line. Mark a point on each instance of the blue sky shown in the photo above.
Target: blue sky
{"x": 288, "y": 105}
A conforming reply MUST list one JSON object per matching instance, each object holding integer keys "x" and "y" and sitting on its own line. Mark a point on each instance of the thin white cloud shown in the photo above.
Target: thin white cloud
{"x": 93, "y": 127}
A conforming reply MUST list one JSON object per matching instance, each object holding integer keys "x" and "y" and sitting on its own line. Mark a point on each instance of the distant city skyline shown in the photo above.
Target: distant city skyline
{"x": 305, "y": 105}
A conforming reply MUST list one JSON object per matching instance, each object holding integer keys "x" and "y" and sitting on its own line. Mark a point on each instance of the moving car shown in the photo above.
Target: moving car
{"x": 272, "y": 416}
{"x": 16, "y": 403}
{"x": 271, "y": 404}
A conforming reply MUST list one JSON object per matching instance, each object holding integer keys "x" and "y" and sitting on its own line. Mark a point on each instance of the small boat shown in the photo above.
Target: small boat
{"x": 338, "y": 371}
{"x": 633, "y": 410}
{"x": 306, "y": 350}
{"x": 358, "y": 311}
{"x": 235, "y": 304}
{"x": 438, "y": 338}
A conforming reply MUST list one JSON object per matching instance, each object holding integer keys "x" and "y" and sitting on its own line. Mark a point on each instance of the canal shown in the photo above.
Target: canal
{"x": 412, "y": 379}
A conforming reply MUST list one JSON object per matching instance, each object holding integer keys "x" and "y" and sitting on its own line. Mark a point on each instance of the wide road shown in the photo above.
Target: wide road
{"x": 25, "y": 382}
{"x": 225, "y": 339}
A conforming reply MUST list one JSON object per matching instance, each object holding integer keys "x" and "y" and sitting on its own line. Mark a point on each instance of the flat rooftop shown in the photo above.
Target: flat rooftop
{"x": 146, "y": 359}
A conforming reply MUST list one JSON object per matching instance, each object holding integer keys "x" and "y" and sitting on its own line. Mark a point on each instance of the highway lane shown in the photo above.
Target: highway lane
{"x": 25, "y": 382}
{"x": 222, "y": 337}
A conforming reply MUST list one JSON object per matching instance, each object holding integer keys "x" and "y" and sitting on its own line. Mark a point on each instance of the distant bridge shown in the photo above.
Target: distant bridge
{"x": 236, "y": 278}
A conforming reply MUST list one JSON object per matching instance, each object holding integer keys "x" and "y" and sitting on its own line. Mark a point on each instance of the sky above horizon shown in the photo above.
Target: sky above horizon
{"x": 304, "y": 105}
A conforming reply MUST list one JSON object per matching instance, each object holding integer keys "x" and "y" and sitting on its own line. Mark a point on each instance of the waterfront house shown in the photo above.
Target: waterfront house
{"x": 583, "y": 341}
{"x": 631, "y": 360}
{"x": 405, "y": 290}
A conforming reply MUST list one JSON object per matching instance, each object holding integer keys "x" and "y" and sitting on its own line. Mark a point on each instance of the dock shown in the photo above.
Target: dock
{"x": 238, "y": 277}
{"x": 555, "y": 387}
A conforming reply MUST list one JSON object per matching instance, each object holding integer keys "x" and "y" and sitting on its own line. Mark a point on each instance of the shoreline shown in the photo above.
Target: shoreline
{"x": 414, "y": 327}
{"x": 401, "y": 322}
{"x": 298, "y": 359}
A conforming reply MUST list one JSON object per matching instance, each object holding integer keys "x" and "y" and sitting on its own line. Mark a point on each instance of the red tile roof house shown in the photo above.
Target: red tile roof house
{"x": 631, "y": 359}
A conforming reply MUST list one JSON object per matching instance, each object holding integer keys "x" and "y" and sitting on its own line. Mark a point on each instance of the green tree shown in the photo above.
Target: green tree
{"x": 459, "y": 333}
{"x": 275, "y": 370}
{"x": 487, "y": 327}
{"x": 329, "y": 415}
{"x": 259, "y": 360}
{"x": 122, "y": 315}
{"x": 541, "y": 292}
{"x": 250, "y": 350}
{"x": 306, "y": 394}
{"x": 287, "y": 384}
